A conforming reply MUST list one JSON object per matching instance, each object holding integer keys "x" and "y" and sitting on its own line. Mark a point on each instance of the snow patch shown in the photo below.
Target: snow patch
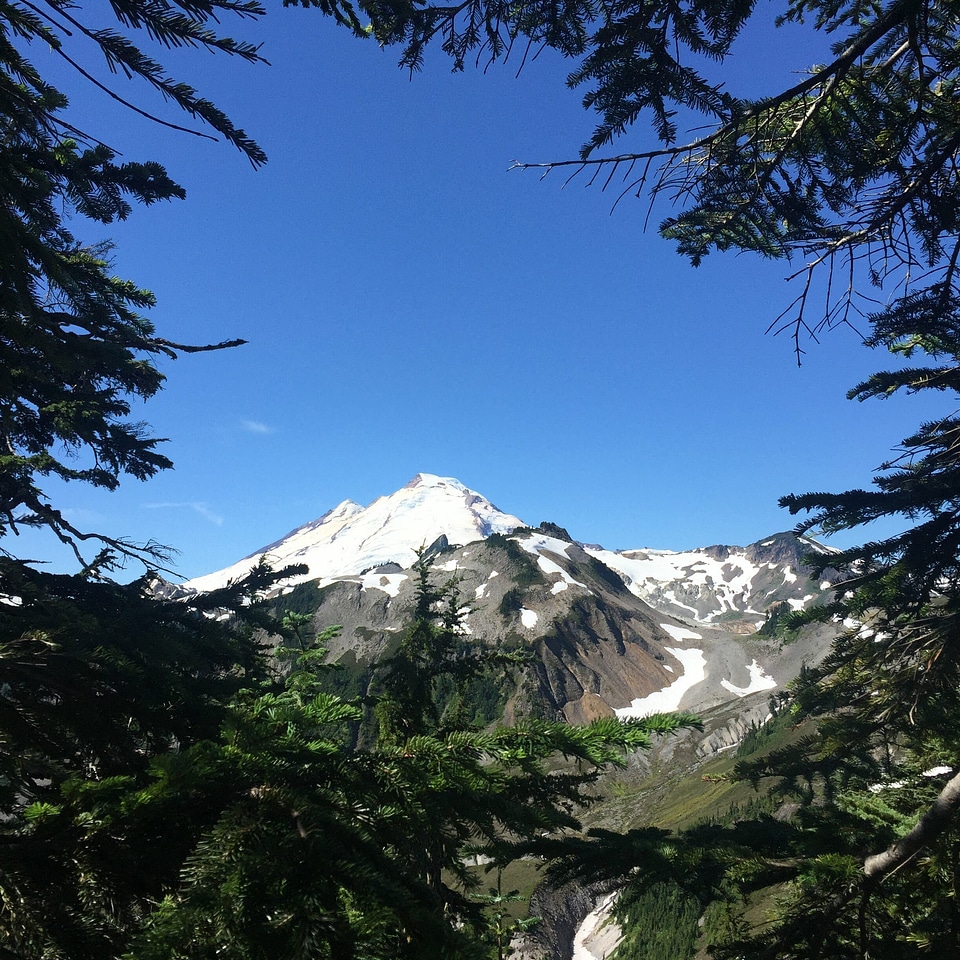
{"x": 758, "y": 681}
{"x": 672, "y": 597}
{"x": 680, "y": 633}
{"x": 536, "y": 542}
{"x": 559, "y": 587}
{"x": 894, "y": 785}
{"x": 549, "y": 567}
{"x": 528, "y": 618}
{"x": 599, "y": 935}
{"x": 656, "y": 575}
{"x": 694, "y": 665}
{"x": 389, "y": 583}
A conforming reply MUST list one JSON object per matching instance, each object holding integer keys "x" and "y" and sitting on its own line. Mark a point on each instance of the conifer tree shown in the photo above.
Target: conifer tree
{"x": 866, "y": 863}
{"x": 75, "y": 349}
{"x": 99, "y": 680}
{"x": 853, "y": 171}
{"x": 886, "y": 755}
{"x": 294, "y": 843}
{"x": 96, "y": 678}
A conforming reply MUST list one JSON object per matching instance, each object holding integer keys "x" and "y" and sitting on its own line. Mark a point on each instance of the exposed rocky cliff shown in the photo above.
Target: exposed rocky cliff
{"x": 594, "y": 646}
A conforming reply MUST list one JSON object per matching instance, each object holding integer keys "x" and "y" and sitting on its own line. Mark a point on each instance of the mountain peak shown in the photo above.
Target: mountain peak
{"x": 432, "y": 480}
{"x": 350, "y": 538}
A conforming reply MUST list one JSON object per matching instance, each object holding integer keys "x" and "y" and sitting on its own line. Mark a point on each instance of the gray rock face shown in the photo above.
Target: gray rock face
{"x": 736, "y": 587}
{"x": 561, "y": 911}
{"x": 604, "y": 630}
{"x": 595, "y": 646}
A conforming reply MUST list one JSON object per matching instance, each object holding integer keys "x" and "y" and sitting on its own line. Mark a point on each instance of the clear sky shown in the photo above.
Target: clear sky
{"x": 413, "y": 305}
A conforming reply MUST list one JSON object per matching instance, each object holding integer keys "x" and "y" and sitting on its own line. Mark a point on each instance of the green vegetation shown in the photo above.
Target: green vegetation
{"x": 775, "y": 623}
{"x": 661, "y": 924}
{"x": 526, "y": 572}
{"x": 554, "y": 530}
{"x": 510, "y": 603}
{"x": 75, "y": 351}
{"x": 224, "y": 817}
{"x": 851, "y": 168}
{"x": 304, "y": 598}
{"x": 761, "y": 738}
{"x": 164, "y": 794}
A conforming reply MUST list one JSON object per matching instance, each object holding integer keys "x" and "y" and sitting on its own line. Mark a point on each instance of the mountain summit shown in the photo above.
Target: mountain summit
{"x": 610, "y": 633}
{"x": 351, "y": 538}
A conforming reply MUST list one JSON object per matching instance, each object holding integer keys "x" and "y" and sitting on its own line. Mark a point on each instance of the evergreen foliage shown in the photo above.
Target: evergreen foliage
{"x": 230, "y": 813}
{"x": 661, "y": 924}
{"x": 880, "y": 774}
{"x": 99, "y": 682}
{"x": 74, "y": 347}
{"x": 853, "y": 169}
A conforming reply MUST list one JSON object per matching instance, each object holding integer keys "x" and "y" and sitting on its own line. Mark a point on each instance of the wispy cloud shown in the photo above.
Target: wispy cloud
{"x": 255, "y": 426}
{"x": 197, "y": 506}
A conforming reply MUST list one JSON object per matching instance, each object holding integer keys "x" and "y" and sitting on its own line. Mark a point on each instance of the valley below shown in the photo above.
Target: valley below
{"x": 602, "y": 634}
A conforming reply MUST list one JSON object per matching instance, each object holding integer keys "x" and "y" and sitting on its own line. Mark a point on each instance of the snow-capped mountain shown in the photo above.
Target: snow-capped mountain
{"x": 351, "y": 538}
{"x": 730, "y": 585}
{"x": 722, "y": 584}
{"x": 610, "y": 633}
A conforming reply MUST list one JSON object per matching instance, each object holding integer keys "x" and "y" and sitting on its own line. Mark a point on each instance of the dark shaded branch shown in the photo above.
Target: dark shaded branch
{"x": 116, "y": 96}
{"x": 928, "y": 828}
{"x": 856, "y": 49}
{"x": 169, "y": 346}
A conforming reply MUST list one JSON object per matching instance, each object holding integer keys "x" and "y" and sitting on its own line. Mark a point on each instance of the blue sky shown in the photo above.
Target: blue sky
{"x": 412, "y": 305}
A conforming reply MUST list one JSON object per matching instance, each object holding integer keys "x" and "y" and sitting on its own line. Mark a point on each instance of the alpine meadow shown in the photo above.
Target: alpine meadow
{"x": 185, "y": 774}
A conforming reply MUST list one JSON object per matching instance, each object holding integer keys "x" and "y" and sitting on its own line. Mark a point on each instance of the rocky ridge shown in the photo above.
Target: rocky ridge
{"x": 622, "y": 632}
{"x": 608, "y": 632}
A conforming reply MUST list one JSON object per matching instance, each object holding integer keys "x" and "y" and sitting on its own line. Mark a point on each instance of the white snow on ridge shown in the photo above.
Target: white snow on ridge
{"x": 389, "y": 583}
{"x": 351, "y": 538}
{"x": 529, "y": 618}
{"x": 758, "y": 681}
{"x": 694, "y": 665}
{"x": 680, "y": 633}
{"x": 535, "y": 542}
{"x": 655, "y": 571}
{"x": 548, "y": 566}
